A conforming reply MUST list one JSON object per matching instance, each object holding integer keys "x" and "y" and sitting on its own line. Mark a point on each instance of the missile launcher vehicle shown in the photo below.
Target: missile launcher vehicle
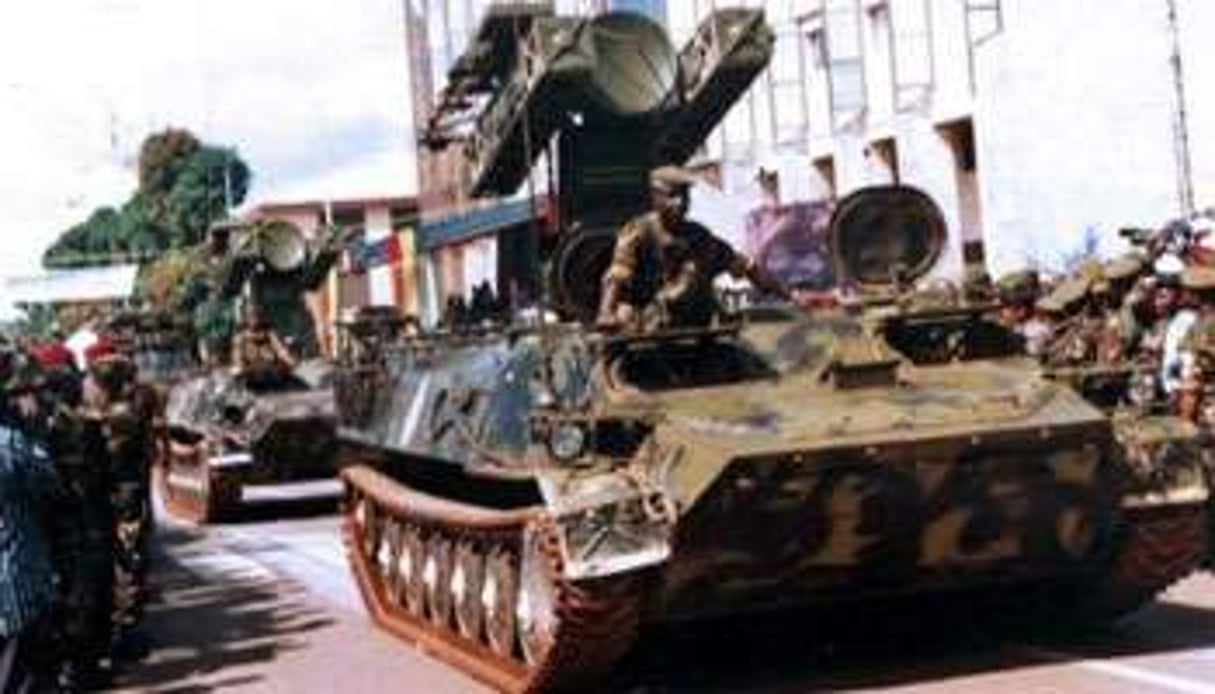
{"x": 524, "y": 502}
{"x": 229, "y": 428}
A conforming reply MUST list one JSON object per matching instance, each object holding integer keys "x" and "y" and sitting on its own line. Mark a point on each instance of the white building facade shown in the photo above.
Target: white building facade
{"x": 1039, "y": 127}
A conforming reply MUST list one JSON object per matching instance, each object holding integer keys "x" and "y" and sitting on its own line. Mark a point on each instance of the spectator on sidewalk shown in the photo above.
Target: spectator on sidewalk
{"x": 27, "y": 484}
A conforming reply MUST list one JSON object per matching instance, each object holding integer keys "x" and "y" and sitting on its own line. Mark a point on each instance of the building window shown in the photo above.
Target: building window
{"x": 788, "y": 81}
{"x": 912, "y": 47}
{"x": 818, "y": 83}
{"x": 880, "y": 67}
{"x": 984, "y": 19}
{"x": 845, "y": 62}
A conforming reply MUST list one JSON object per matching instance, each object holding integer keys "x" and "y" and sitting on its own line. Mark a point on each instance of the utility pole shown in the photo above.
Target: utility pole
{"x": 1181, "y": 123}
{"x": 227, "y": 185}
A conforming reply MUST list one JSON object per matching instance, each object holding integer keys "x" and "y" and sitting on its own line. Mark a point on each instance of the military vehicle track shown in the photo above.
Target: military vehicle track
{"x": 193, "y": 491}
{"x": 1160, "y": 546}
{"x": 482, "y": 588}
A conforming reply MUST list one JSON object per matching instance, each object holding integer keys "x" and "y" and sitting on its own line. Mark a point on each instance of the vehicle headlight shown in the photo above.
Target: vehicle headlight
{"x": 566, "y": 441}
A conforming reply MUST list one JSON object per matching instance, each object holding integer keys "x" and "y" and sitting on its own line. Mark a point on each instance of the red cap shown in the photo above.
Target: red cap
{"x": 53, "y": 354}
{"x": 103, "y": 347}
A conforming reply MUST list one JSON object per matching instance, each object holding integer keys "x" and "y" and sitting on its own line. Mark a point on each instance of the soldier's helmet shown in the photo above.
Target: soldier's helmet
{"x": 1019, "y": 287}
{"x": 1066, "y": 296}
{"x": 1125, "y": 268}
{"x": 1198, "y": 278}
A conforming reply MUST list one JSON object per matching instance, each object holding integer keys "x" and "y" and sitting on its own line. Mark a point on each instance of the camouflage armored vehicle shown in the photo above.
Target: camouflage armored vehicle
{"x": 239, "y": 425}
{"x": 523, "y": 503}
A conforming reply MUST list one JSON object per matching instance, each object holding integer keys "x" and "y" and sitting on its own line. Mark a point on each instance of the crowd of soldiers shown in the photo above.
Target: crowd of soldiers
{"x": 1151, "y": 319}
{"x": 75, "y": 512}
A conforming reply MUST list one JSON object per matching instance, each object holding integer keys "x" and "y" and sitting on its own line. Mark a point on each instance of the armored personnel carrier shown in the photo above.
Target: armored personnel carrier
{"x": 522, "y": 503}
{"x": 228, "y": 430}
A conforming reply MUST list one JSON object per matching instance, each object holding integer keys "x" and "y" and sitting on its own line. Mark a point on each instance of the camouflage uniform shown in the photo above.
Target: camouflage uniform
{"x": 124, "y": 411}
{"x": 1076, "y": 331}
{"x": 663, "y": 265}
{"x": 673, "y": 269}
{"x": 260, "y": 356}
{"x": 1122, "y": 328}
{"x": 1017, "y": 293}
{"x": 84, "y": 545}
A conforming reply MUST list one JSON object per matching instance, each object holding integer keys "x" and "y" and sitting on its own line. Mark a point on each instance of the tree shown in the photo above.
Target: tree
{"x": 162, "y": 156}
{"x": 184, "y": 186}
{"x": 200, "y": 192}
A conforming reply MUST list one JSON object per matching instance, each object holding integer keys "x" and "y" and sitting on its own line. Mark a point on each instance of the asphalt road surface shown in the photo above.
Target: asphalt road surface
{"x": 268, "y": 606}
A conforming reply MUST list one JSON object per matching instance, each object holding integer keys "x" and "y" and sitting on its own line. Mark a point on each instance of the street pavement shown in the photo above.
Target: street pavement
{"x": 268, "y": 606}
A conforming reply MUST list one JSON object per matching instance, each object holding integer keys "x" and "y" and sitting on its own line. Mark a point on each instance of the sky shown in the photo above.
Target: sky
{"x": 312, "y": 93}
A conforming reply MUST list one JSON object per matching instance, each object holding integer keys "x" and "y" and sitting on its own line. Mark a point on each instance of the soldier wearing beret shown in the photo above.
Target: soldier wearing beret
{"x": 123, "y": 410}
{"x": 665, "y": 264}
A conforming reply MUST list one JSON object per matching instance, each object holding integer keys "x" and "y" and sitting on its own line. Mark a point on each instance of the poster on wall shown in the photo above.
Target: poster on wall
{"x": 792, "y": 241}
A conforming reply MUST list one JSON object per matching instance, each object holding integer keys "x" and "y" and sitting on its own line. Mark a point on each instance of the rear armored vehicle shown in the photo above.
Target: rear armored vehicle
{"x": 262, "y": 412}
{"x": 523, "y": 502}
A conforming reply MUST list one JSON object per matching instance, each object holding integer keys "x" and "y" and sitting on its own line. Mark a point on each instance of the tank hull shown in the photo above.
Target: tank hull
{"x": 206, "y": 468}
{"x": 1095, "y": 556}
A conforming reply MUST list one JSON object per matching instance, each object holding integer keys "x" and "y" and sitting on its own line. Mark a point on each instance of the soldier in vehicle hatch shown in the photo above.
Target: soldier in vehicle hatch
{"x": 259, "y": 356}
{"x": 664, "y": 265}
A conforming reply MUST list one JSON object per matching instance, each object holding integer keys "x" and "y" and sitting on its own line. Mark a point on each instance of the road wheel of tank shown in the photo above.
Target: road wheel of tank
{"x": 576, "y": 630}
{"x": 367, "y": 518}
{"x": 498, "y": 600}
{"x": 536, "y": 606}
{"x": 467, "y": 580}
{"x": 1157, "y": 547}
{"x": 413, "y": 559}
{"x": 388, "y": 560}
{"x": 436, "y": 575}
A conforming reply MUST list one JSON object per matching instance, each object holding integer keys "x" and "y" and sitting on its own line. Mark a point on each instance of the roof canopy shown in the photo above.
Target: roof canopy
{"x": 68, "y": 286}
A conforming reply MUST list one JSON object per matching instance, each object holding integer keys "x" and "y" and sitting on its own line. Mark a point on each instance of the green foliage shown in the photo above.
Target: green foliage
{"x": 183, "y": 187}
{"x": 167, "y": 281}
{"x": 161, "y": 157}
{"x": 199, "y": 191}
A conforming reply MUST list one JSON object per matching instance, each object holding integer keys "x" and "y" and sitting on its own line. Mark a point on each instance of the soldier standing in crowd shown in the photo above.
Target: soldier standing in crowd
{"x": 84, "y": 544}
{"x": 1017, "y": 294}
{"x": 125, "y": 411}
{"x": 1122, "y": 328}
{"x": 1196, "y": 353}
{"x": 1174, "y": 316}
{"x": 1076, "y": 324}
{"x": 27, "y": 486}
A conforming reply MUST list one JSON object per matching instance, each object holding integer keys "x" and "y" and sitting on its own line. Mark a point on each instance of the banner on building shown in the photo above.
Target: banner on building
{"x": 363, "y": 254}
{"x": 792, "y": 241}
